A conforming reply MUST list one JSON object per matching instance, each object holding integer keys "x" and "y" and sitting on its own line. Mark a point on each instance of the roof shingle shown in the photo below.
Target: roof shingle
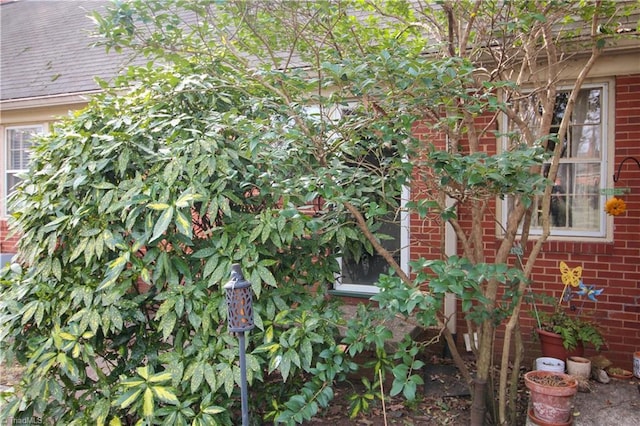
{"x": 45, "y": 49}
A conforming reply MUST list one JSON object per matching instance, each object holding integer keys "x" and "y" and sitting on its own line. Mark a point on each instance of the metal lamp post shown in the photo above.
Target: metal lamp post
{"x": 240, "y": 317}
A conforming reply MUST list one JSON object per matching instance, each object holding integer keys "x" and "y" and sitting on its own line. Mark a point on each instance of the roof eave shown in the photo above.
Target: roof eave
{"x": 47, "y": 101}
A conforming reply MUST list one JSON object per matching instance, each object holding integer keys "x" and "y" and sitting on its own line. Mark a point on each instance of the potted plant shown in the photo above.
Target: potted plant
{"x": 564, "y": 331}
{"x": 619, "y": 373}
{"x": 551, "y": 396}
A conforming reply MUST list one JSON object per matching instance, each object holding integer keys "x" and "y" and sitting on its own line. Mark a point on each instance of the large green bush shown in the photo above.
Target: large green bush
{"x": 131, "y": 216}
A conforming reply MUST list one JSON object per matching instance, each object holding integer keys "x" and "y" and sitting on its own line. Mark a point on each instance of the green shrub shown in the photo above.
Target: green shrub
{"x": 131, "y": 216}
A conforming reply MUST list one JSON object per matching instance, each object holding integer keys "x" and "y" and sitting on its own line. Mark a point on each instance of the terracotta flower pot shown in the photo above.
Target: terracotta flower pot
{"x": 536, "y": 421}
{"x": 551, "y": 395}
{"x": 551, "y": 346}
{"x": 619, "y": 373}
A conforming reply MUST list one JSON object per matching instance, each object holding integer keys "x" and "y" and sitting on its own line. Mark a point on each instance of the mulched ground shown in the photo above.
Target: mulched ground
{"x": 431, "y": 411}
{"x": 439, "y": 403}
{"x": 444, "y": 400}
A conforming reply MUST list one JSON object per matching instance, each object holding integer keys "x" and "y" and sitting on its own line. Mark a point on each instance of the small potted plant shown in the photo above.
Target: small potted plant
{"x": 551, "y": 396}
{"x": 564, "y": 331}
{"x": 619, "y": 373}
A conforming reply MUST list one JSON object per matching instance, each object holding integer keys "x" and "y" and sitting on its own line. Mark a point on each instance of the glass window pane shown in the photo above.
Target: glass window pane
{"x": 12, "y": 181}
{"x": 560, "y": 209}
{"x": 588, "y": 108}
{"x": 560, "y": 107}
{"x": 587, "y": 208}
{"x": 588, "y": 142}
{"x": 576, "y": 200}
{"x": 364, "y": 268}
{"x": 18, "y": 145}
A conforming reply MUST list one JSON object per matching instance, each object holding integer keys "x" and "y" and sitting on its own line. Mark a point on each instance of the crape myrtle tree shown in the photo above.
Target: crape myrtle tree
{"x": 280, "y": 135}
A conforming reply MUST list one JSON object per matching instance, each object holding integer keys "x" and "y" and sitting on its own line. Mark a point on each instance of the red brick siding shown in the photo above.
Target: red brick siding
{"x": 7, "y": 244}
{"x": 614, "y": 266}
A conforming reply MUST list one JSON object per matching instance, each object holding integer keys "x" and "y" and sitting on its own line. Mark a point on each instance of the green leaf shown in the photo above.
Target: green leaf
{"x": 214, "y": 409}
{"x": 285, "y": 366}
{"x": 267, "y": 276}
{"x": 196, "y": 378}
{"x": 56, "y": 268}
{"x": 108, "y": 320}
{"x": 78, "y": 249}
{"x": 409, "y": 390}
{"x": 147, "y": 403}
{"x": 186, "y": 198}
{"x": 226, "y": 377}
{"x": 204, "y": 253}
{"x": 210, "y": 376}
{"x": 160, "y": 377}
{"x": 167, "y": 323}
{"x": 183, "y": 224}
{"x": 165, "y": 394}
{"x": 128, "y": 398}
{"x": 306, "y": 353}
{"x": 162, "y": 224}
{"x": 28, "y": 311}
{"x": 158, "y": 206}
{"x": 143, "y": 372}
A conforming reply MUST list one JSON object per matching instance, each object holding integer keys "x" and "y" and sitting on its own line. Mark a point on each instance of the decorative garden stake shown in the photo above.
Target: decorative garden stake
{"x": 240, "y": 317}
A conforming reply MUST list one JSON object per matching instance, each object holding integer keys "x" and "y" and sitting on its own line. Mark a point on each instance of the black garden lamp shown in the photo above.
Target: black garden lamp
{"x": 239, "y": 301}
{"x": 240, "y": 318}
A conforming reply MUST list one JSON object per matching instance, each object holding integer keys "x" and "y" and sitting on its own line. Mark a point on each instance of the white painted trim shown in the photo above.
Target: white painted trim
{"x": 47, "y": 101}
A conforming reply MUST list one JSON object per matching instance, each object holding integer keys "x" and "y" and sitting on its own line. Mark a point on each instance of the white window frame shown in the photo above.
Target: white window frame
{"x": 356, "y": 288}
{"x": 404, "y": 253}
{"x": 5, "y": 191}
{"x": 335, "y": 113}
{"x": 607, "y": 105}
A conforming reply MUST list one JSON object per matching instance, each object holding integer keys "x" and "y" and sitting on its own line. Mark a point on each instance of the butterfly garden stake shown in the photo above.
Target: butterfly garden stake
{"x": 573, "y": 278}
{"x": 570, "y": 277}
{"x": 568, "y": 320}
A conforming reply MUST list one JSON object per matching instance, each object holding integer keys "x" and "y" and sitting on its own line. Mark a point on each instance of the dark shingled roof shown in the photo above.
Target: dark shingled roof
{"x": 45, "y": 49}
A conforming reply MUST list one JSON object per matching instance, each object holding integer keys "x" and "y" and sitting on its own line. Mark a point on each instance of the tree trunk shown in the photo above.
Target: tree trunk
{"x": 479, "y": 406}
{"x": 515, "y": 375}
{"x": 480, "y": 388}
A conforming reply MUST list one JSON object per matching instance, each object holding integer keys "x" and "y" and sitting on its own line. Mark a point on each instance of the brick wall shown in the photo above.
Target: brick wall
{"x": 613, "y": 266}
{"x": 7, "y": 244}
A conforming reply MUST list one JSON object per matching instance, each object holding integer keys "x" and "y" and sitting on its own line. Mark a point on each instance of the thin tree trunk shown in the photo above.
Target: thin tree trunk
{"x": 480, "y": 389}
{"x": 515, "y": 376}
{"x": 478, "y": 406}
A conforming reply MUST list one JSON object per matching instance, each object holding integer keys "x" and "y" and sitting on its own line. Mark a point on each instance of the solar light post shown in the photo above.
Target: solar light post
{"x": 240, "y": 318}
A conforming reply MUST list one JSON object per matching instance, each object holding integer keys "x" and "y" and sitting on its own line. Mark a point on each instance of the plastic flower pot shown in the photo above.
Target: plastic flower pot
{"x": 551, "y": 395}
{"x": 579, "y": 367}
{"x": 550, "y": 364}
{"x": 552, "y": 347}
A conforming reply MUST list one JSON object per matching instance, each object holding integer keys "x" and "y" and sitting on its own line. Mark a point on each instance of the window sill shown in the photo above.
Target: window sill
{"x": 354, "y": 294}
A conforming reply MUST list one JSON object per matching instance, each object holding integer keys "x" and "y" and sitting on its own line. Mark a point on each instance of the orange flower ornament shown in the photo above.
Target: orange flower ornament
{"x": 615, "y": 206}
